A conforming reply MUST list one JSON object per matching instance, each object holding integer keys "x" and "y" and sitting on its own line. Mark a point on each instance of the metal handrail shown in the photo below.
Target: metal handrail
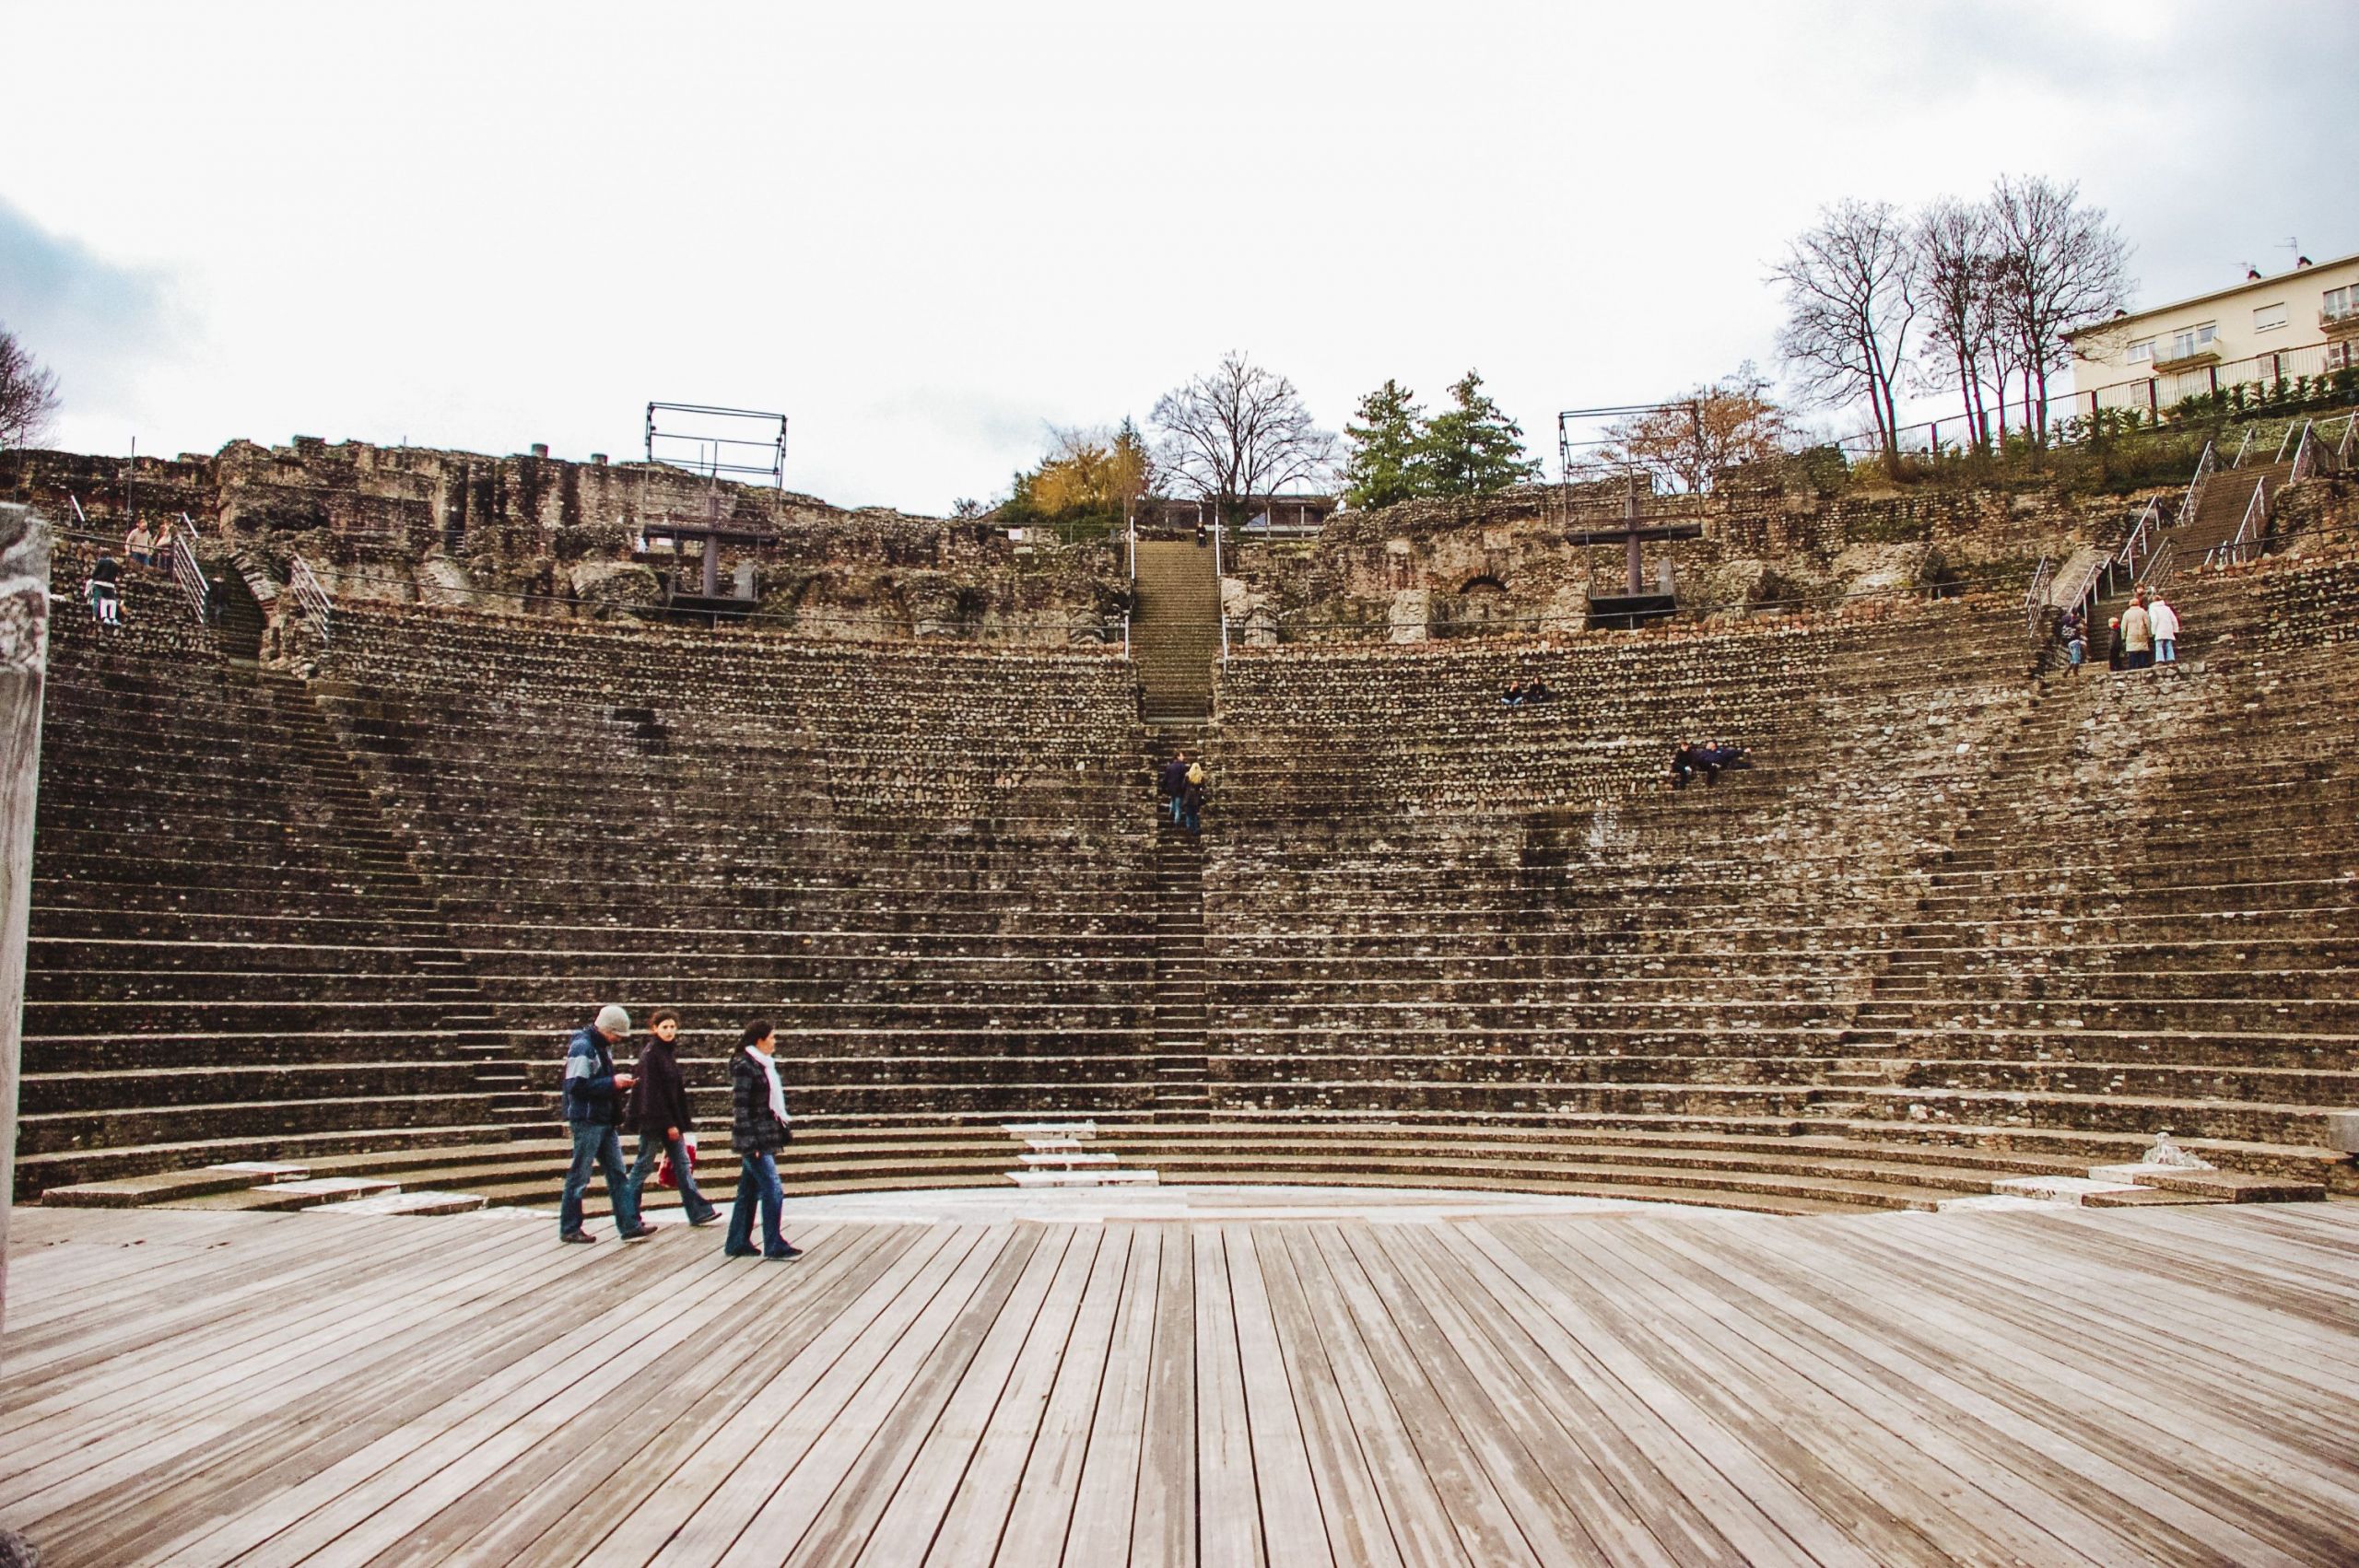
{"x": 190, "y": 575}
{"x": 2306, "y": 456}
{"x": 2255, "y": 513}
{"x": 2244, "y": 446}
{"x": 2288, "y": 440}
{"x": 2204, "y": 467}
{"x": 2342, "y": 448}
{"x": 2159, "y": 564}
{"x": 2035, "y": 598}
{"x": 319, "y": 607}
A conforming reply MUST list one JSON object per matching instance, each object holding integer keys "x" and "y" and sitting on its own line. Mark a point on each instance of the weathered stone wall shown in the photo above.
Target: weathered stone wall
{"x": 535, "y": 534}
{"x": 1769, "y": 537}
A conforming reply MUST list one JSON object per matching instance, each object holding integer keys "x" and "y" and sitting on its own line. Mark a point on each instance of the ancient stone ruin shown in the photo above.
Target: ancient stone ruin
{"x": 1969, "y": 927}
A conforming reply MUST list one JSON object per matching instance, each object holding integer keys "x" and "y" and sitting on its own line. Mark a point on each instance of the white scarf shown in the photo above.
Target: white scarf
{"x": 777, "y": 1091}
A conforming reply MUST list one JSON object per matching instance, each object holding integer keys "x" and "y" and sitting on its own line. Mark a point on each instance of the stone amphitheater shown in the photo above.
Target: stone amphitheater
{"x": 1973, "y": 935}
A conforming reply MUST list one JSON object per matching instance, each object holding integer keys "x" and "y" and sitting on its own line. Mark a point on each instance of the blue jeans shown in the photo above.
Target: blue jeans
{"x": 692, "y": 1202}
{"x": 598, "y": 1147}
{"x": 757, "y": 1179}
{"x": 2166, "y": 651}
{"x": 1175, "y": 811}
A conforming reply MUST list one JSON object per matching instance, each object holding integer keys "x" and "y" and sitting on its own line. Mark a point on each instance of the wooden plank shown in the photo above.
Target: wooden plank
{"x": 1897, "y": 1328}
{"x": 1107, "y": 1492}
{"x": 1226, "y": 1506}
{"x": 2082, "y": 1517}
{"x": 360, "y": 1520}
{"x": 1357, "y": 1526}
{"x": 1786, "y": 1421}
{"x": 1293, "y": 1525}
{"x": 1030, "y": 1526}
{"x": 909, "y": 1521}
{"x": 2124, "y": 1405}
{"x": 1935, "y": 1480}
{"x": 1163, "y": 1516}
{"x": 788, "y": 1432}
{"x": 565, "y": 1494}
{"x": 1694, "y": 1461}
{"x": 1628, "y": 1485}
{"x": 107, "y": 1452}
{"x": 1422, "y": 1528}
{"x": 1450, "y": 1443}
{"x": 1568, "y": 1510}
{"x": 823, "y": 1510}
{"x": 706, "y": 1460}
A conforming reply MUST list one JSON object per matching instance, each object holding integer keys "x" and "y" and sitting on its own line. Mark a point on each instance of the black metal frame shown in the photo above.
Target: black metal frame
{"x": 725, "y": 440}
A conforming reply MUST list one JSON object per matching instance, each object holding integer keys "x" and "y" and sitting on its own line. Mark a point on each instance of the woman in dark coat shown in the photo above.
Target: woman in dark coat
{"x": 659, "y": 1109}
{"x": 759, "y": 1128}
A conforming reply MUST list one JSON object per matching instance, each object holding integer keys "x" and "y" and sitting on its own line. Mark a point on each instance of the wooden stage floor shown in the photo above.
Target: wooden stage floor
{"x": 2167, "y": 1385}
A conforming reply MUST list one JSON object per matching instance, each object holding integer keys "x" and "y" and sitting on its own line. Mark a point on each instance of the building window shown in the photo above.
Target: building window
{"x": 2269, "y": 317}
{"x": 2194, "y": 340}
{"x": 2338, "y": 302}
{"x": 2142, "y": 351}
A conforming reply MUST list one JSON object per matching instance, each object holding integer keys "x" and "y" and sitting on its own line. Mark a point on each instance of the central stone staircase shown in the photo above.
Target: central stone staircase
{"x": 1175, "y": 635}
{"x": 2220, "y": 509}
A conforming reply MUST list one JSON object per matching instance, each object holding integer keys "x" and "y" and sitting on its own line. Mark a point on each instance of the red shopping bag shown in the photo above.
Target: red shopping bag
{"x": 665, "y": 1176}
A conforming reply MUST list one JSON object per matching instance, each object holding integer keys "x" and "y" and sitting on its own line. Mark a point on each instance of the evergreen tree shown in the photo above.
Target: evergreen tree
{"x": 1384, "y": 465}
{"x": 1472, "y": 447}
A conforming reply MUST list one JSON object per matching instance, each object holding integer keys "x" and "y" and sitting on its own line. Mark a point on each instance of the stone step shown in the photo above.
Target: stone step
{"x": 167, "y": 1186}
{"x": 1084, "y": 1178}
{"x": 306, "y": 1194}
{"x": 421, "y": 1203}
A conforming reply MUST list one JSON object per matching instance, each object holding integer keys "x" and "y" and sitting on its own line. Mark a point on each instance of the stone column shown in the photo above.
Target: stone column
{"x": 24, "y": 647}
{"x": 24, "y": 642}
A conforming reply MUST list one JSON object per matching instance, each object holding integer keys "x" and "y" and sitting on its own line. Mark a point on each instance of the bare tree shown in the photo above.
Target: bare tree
{"x": 2060, "y": 265}
{"x": 1686, "y": 443}
{"x": 28, "y": 395}
{"x": 1851, "y": 303}
{"x": 1957, "y": 282}
{"x": 1239, "y": 431}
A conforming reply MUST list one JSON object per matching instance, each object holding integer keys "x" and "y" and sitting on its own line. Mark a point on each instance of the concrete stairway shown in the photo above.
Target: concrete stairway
{"x": 2220, "y": 510}
{"x": 1175, "y": 635}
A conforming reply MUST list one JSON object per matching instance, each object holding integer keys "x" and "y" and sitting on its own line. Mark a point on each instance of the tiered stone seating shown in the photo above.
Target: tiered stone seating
{"x": 929, "y": 869}
{"x": 229, "y": 957}
{"x": 1423, "y": 908}
{"x": 2151, "y": 920}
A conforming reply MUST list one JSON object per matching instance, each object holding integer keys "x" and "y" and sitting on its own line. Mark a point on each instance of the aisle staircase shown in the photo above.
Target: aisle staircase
{"x": 1175, "y": 634}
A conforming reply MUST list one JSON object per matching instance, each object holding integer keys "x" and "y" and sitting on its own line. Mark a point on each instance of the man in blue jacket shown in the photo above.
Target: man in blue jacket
{"x": 593, "y": 1095}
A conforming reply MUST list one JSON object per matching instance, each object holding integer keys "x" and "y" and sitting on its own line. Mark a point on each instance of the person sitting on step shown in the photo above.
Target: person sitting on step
{"x": 1538, "y": 692}
{"x": 1513, "y": 696}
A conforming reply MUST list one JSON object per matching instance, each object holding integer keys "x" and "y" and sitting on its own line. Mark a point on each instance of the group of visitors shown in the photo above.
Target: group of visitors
{"x": 653, "y": 1102}
{"x": 2146, "y": 634}
{"x": 1709, "y": 760}
{"x": 1521, "y": 694}
{"x": 1183, "y": 783}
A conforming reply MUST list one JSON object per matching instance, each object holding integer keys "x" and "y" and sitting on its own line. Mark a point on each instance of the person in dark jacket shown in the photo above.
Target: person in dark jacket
{"x": 659, "y": 1110}
{"x": 593, "y": 1107}
{"x": 1175, "y": 781}
{"x": 759, "y": 1128}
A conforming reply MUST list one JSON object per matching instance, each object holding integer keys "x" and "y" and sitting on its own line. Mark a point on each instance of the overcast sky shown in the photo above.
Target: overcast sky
{"x": 926, "y": 232}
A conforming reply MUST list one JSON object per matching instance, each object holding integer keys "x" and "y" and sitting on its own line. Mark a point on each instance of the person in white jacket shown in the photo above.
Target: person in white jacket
{"x": 2164, "y": 622}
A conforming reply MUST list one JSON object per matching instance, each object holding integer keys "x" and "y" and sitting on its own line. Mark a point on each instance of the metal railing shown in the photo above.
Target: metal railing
{"x": 2244, "y": 446}
{"x": 2248, "y": 540}
{"x": 2036, "y": 600}
{"x": 2152, "y": 397}
{"x": 2204, "y": 467}
{"x": 189, "y": 574}
{"x": 319, "y": 607}
{"x": 2307, "y": 453}
{"x": 2343, "y": 449}
{"x": 2159, "y": 566}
